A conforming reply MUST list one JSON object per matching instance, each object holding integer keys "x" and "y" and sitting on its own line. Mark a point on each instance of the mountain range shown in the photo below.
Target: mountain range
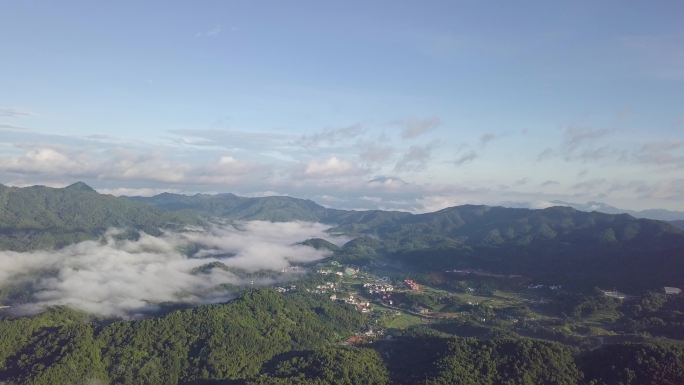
{"x": 555, "y": 244}
{"x": 656, "y": 214}
{"x": 43, "y": 217}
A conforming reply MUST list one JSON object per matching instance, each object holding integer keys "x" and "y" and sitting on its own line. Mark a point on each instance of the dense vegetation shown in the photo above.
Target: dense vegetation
{"x": 42, "y": 217}
{"x": 634, "y": 364}
{"x": 231, "y": 206}
{"x": 325, "y": 366}
{"x": 264, "y": 338}
{"x": 209, "y": 342}
{"x": 528, "y": 362}
{"x": 656, "y": 314}
{"x": 557, "y": 244}
{"x": 272, "y": 208}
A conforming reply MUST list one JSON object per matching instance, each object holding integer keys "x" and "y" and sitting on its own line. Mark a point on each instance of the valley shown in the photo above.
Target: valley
{"x": 261, "y": 296}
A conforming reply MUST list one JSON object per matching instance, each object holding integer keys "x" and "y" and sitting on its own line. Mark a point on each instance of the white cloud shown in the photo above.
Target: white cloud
{"x": 211, "y": 32}
{"x": 664, "y": 153}
{"x": 574, "y": 137}
{"x": 387, "y": 183}
{"x": 541, "y": 204}
{"x": 331, "y": 136}
{"x": 412, "y": 128}
{"x": 47, "y": 161}
{"x": 132, "y": 191}
{"x": 11, "y": 127}
{"x": 125, "y": 165}
{"x": 375, "y": 153}
{"x": 433, "y": 203}
{"x": 13, "y": 112}
{"x": 416, "y": 158}
{"x": 113, "y": 277}
{"x": 465, "y": 157}
{"x": 330, "y": 167}
{"x": 488, "y": 137}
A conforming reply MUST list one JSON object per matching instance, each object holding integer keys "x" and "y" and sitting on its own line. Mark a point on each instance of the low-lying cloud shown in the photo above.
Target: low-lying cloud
{"x": 119, "y": 277}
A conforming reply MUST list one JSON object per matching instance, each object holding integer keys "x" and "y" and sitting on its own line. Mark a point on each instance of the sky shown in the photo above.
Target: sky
{"x": 411, "y": 105}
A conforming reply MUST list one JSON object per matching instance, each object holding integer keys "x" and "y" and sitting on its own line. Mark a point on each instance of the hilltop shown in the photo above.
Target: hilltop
{"x": 44, "y": 217}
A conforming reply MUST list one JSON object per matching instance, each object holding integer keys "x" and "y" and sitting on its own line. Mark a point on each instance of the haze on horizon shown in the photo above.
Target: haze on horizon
{"x": 412, "y": 106}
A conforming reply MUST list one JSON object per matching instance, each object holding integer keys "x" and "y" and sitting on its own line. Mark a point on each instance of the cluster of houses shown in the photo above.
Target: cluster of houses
{"x": 347, "y": 271}
{"x": 366, "y": 336}
{"x": 330, "y": 272}
{"x": 382, "y": 290}
{"x": 614, "y": 294}
{"x": 378, "y": 288}
{"x": 668, "y": 290}
{"x": 285, "y": 289}
{"x": 411, "y": 284}
{"x": 325, "y": 288}
{"x": 361, "y": 305}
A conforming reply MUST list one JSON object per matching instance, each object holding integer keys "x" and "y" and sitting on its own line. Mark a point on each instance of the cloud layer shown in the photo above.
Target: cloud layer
{"x": 117, "y": 277}
{"x": 340, "y": 165}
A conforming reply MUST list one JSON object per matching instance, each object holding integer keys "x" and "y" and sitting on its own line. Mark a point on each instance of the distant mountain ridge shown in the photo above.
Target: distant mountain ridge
{"x": 656, "y": 214}
{"x": 556, "y": 243}
{"x": 270, "y": 208}
{"x": 227, "y": 205}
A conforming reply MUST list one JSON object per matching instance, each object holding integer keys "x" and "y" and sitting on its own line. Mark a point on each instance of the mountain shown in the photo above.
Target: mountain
{"x": 492, "y": 225}
{"x": 230, "y": 206}
{"x": 193, "y": 346}
{"x": 320, "y": 244}
{"x": 679, "y": 224}
{"x": 43, "y": 217}
{"x": 657, "y": 214}
{"x": 557, "y": 243}
{"x": 272, "y": 208}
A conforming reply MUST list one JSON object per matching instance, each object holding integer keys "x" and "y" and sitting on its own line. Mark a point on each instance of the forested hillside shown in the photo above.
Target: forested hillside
{"x": 43, "y": 217}
{"x": 556, "y": 244}
{"x": 267, "y": 338}
{"x": 272, "y": 208}
{"x": 229, "y": 341}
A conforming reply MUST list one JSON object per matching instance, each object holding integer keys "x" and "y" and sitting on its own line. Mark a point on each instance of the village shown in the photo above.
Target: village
{"x": 394, "y": 302}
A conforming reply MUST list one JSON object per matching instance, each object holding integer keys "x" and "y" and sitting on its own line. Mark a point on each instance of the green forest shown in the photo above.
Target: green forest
{"x": 265, "y": 337}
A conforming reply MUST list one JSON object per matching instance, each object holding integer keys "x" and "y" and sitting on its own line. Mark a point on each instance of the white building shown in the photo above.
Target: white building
{"x": 672, "y": 290}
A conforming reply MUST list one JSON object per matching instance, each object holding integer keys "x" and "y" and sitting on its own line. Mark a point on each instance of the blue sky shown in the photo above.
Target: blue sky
{"x": 408, "y": 105}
